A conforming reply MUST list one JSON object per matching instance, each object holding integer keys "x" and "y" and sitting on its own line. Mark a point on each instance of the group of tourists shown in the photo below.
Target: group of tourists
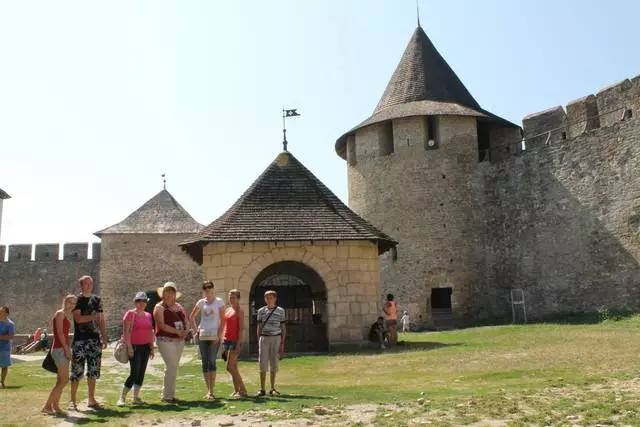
{"x": 220, "y": 325}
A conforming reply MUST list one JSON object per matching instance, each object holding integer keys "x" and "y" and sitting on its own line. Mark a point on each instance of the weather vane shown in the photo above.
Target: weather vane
{"x": 285, "y": 114}
{"x": 164, "y": 181}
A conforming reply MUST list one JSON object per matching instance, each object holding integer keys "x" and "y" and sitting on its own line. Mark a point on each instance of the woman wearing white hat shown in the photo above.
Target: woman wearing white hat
{"x": 171, "y": 323}
{"x": 138, "y": 334}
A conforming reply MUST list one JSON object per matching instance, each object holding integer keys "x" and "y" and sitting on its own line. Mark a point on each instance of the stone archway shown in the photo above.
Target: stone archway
{"x": 303, "y": 294}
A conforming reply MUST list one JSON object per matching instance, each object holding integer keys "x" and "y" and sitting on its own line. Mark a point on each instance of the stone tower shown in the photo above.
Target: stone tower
{"x": 141, "y": 252}
{"x": 411, "y": 168}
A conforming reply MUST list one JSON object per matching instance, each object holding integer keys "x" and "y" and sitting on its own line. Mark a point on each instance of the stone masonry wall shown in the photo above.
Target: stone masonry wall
{"x": 423, "y": 198}
{"x": 33, "y": 289}
{"x": 563, "y": 219}
{"x": 144, "y": 262}
{"x": 349, "y": 269}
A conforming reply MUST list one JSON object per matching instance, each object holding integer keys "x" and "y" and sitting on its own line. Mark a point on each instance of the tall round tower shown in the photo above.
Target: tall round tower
{"x": 412, "y": 168}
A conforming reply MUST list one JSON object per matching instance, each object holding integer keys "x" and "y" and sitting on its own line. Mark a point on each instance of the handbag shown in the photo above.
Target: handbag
{"x": 121, "y": 351}
{"x": 49, "y": 364}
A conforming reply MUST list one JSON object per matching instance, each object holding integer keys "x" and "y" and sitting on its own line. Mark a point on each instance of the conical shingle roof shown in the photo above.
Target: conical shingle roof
{"x": 423, "y": 84}
{"x": 4, "y": 195}
{"x": 287, "y": 203}
{"x": 162, "y": 214}
{"x": 424, "y": 75}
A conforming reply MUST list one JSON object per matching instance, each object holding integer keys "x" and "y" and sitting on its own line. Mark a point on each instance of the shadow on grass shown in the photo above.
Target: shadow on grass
{"x": 92, "y": 416}
{"x": 589, "y": 318}
{"x": 10, "y": 387}
{"x": 374, "y": 349}
{"x": 180, "y": 406}
{"x": 285, "y": 398}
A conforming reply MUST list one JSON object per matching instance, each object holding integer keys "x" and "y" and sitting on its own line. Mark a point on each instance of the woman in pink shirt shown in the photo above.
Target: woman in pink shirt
{"x": 138, "y": 334}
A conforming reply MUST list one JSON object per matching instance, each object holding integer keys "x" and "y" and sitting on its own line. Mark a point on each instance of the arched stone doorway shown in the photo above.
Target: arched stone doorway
{"x": 303, "y": 295}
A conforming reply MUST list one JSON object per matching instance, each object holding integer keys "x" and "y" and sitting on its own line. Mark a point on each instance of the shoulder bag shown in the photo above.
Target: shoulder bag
{"x": 121, "y": 351}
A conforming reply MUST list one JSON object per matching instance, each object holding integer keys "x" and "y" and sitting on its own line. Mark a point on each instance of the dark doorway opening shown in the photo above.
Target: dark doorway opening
{"x": 302, "y": 293}
{"x": 154, "y": 298}
{"x": 441, "y": 310}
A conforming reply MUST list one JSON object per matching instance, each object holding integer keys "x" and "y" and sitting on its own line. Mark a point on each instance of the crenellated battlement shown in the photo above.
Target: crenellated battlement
{"x": 22, "y": 253}
{"x": 611, "y": 105}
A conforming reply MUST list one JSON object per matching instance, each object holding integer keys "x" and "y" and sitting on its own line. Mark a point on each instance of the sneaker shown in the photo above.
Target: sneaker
{"x": 121, "y": 402}
{"x": 138, "y": 401}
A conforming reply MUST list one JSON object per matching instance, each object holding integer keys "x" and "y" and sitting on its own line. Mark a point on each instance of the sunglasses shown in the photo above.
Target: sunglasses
{"x": 141, "y": 300}
{"x": 207, "y": 287}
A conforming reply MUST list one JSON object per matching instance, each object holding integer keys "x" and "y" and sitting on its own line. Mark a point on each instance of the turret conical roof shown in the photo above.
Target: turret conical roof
{"x": 423, "y": 84}
{"x": 162, "y": 214}
{"x": 287, "y": 203}
{"x": 424, "y": 75}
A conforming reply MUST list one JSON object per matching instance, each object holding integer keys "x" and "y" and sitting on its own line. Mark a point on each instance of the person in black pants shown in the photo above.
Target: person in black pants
{"x": 138, "y": 334}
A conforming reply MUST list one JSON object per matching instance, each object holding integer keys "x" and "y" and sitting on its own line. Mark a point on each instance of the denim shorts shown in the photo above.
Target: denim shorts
{"x": 58, "y": 356}
{"x": 229, "y": 345}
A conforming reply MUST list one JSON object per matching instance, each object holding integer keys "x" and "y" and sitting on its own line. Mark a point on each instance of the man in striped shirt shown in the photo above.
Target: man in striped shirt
{"x": 271, "y": 336}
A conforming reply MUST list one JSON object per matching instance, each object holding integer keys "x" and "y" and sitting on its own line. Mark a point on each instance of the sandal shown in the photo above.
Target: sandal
{"x": 137, "y": 401}
{"x": 95, "y": 405}
{"x": 73, "y": 406}
{"x": 261, "y": 393}
{"x": 209, "y": 396}
{"x": 274, "y": 392}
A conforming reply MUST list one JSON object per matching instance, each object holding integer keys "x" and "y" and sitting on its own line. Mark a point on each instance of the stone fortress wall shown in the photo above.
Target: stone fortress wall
{"x": 33, "y": 289}
{"x": 563, "y": 218}
{"x": 482, "y": 213}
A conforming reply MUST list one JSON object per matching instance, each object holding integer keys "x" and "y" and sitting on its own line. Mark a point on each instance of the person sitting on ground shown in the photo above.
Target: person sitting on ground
{"x": 377, "y": 333}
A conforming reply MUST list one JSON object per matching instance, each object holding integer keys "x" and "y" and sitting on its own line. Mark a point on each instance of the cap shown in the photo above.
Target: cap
{"x": 141, "y": 296}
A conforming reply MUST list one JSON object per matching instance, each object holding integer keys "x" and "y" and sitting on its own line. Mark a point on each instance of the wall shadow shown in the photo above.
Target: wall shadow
{"x": 561, "y": 222}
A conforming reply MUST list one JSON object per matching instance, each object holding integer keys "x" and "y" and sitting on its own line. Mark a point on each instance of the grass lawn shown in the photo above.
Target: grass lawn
{"x": 546, "y": 374}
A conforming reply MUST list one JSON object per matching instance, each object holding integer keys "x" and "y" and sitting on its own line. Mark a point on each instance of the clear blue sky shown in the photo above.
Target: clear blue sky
{"x": 98, "y": 99}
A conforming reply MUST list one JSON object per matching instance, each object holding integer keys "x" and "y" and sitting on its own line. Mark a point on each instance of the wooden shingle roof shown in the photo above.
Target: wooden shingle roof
{"x": 423, "y": 84}
{"x": 287, "y": 203}
{"x": 162, "y": 214}
{"x": 4, "y": 195}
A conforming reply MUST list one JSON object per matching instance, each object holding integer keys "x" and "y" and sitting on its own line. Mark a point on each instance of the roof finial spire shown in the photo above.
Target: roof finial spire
{"x": 164, "y": 182}
{"x": 285, "y": 114}
{"x": 418, "y": 12}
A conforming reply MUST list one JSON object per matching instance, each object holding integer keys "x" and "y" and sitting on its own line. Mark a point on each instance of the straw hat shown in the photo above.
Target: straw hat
{"x": 171, "y": 285}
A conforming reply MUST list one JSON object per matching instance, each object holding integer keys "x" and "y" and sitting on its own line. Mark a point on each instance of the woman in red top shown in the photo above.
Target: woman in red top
{"x": 232, "y": 337}
{"x": 61, "y": 353}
